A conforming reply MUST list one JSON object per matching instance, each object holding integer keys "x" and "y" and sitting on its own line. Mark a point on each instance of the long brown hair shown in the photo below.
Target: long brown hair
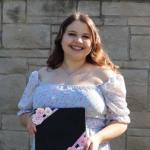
{"x": 97, "y": 55}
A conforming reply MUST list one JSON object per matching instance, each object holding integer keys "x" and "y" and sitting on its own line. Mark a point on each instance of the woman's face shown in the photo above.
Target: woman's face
{"x": 76, "y": 41}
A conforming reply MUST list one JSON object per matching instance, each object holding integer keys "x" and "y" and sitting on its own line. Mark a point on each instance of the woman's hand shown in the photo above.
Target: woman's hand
{"x": 111, "y": 131}
{"x": 31, "y": 127}
{"x": 92, "y": 143}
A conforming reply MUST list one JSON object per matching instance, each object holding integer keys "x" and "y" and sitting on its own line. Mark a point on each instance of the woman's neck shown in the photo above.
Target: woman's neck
{"x": 71, "y": 67}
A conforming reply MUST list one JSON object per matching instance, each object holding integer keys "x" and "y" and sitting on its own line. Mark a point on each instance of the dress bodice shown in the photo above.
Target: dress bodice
{"x": 103, "y": 103}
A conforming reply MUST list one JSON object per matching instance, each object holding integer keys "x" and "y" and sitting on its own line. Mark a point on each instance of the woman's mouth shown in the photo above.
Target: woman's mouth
{"x": 77, "y": 48}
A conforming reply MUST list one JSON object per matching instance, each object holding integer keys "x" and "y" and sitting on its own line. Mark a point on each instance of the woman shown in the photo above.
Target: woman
{"x": 79, "y": 66}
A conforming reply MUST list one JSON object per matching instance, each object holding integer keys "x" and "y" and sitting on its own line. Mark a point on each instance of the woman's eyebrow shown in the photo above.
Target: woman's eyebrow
{"x": 72, "y": 31}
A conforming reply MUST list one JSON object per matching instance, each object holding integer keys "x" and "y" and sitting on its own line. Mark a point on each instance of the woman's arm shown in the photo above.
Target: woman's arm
{"x": 117, "y": 116}
{"x": 26, "y": 121}
{"x": 24, "y": 118}
{"x": 111, "y": 131}
{"x": 25, "y": 104}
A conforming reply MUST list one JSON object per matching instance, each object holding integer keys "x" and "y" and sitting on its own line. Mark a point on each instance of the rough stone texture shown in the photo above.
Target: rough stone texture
{"x": 11, "y": 119}
{"x": 149, "y": 79}
{"x": 33, "y": 68}
{"x": 98, "y": 20}
{"x": 37, "y": 61}
{"x": 138, "y": 138}
{"x": 136, "y": 82}
{"x": 14, "y": 11}
{"x": 24, "y": 53}
{"x": 149, "y": 95}
{"x": 27, "y": 32}
{"x": 140, "y": 47}
{"x": 12, "y": 140}
{"x": 50, "y": 8}
{"x": 12, "y": 65}
{"x": 140, "y": 120}
{"x": 45, "y": 19}
{"x": 53, "y": 38}
{"x": 0, "y": 24}
{"x": 55, "y": 28}
{"x": 140, "y": 30}
{"x": 136, "y": 77}
{"x": 26, "y": 36}
{"x": 119, "y": 143}
{"x": 91, "y": 8}
{"x": 133, "y": 64}
{"x": 138, "y": 132}
{"x": 10, "y": 91}
{"x": 137, "y": 97}
{"x": 115, "y": 21}
{"x": 138, "y": 143}
{"x": 0, "y": 12}
{"x": 145, "y": 21}
{"x": 115, "y": 41}
{"x": 0, "y": 118}
{"x": 126, "y": 9}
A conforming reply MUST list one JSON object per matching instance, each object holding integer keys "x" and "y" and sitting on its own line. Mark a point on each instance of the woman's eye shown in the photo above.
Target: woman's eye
{"x": 85, "y": 36}
{"x": 71, "y": 34}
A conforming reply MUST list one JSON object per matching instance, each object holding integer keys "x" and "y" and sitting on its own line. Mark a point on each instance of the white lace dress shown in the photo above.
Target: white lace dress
{"x": 103, "y": 102}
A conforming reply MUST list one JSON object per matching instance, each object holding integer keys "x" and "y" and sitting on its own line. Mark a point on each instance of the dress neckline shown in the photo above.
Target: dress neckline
{"x": 76, "y": 85}
{"x": 70, "y": 85}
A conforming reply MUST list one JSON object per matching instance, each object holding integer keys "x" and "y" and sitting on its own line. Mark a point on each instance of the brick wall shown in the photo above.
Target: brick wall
{"x": 28, "y": 28}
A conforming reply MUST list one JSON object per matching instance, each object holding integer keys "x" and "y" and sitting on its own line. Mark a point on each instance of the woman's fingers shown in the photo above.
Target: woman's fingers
{"x": 91, "y": 147}
{"x": 88, "y": 143}
{"x": 34, "y": 128}
{"x": 31, "y": 127}
{"x": 91, "y": 144}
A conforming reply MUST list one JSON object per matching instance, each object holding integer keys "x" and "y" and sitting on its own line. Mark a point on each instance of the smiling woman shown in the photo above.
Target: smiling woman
{"x": 79, "y": 74}
{"x": 76, "y": 42}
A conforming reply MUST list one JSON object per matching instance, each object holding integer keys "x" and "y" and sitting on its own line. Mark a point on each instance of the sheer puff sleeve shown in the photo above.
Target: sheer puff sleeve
{"x": 26, "y": 104}
{"x": 114, "y": 92}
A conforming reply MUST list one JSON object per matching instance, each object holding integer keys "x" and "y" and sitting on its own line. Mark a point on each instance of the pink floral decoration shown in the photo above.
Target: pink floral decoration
{"x": 41, "y": 114}
{"x": 81, "y": 142}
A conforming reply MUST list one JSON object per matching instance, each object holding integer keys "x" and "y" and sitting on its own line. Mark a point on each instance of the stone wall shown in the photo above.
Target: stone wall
{"x": 28, "y": 29}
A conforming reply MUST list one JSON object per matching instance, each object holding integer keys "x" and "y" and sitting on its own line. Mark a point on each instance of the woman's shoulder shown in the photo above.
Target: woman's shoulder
{"x": 43, "y": 71}
{"x": 46, "y": 73}
{"x": 104, "y": 73}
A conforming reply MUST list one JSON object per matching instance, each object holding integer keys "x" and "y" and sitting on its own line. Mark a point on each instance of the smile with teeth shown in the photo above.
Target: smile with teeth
{"x": 78, "y": 48}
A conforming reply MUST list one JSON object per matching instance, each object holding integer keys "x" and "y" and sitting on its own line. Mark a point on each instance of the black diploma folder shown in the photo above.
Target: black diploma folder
{"x": 61, "y": 129}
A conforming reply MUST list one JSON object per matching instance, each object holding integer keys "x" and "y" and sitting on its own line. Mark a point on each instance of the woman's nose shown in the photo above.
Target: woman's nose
{"x": 79, "y": 39}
